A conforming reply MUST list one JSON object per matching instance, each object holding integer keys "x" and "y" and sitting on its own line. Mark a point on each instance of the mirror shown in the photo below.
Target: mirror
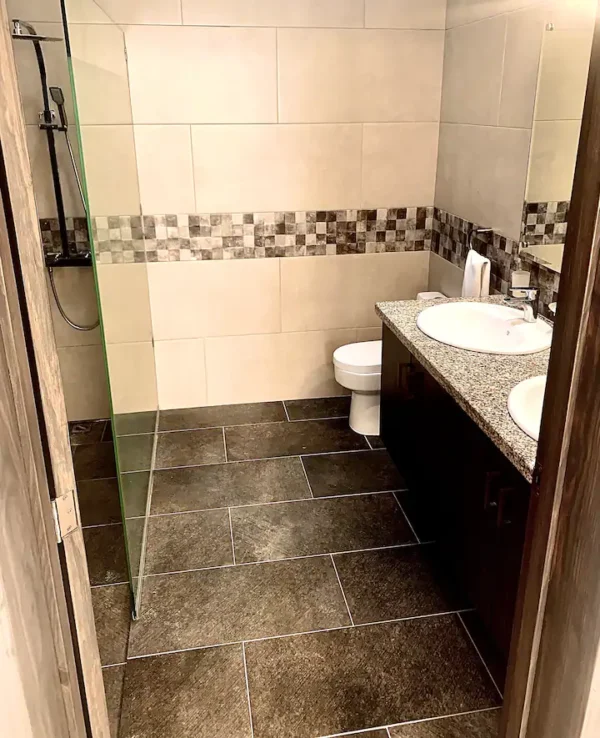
{"x": 562, "y": 80}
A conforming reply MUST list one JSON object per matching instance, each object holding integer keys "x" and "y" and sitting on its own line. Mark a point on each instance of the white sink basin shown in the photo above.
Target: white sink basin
{"x": 483, "y": 327}
{"x": 525, "y": 404}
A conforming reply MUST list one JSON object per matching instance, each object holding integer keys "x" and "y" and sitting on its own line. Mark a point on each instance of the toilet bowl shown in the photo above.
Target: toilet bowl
{"x": 358, "y": 368}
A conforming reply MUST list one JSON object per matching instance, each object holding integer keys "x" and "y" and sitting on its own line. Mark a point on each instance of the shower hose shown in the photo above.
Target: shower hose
{"x": 62, "y": 312}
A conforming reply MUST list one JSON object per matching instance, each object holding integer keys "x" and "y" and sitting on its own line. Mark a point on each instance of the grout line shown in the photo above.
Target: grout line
{"x": 387, "y": 730}
{"x": 287, "y": 558}
{"x": 306, "y": 477}
{"x": 225, "y": 445}
{"x": 414, "y": 532}
{"x": 287, "y": 415}
{"x": 231, "y": 534}
{"x": 242, "y": 425}
{"x": 274, "y": 502}
{"x": 109, "y": 666}
{"x": 259, "y": 458}
{"x": 342, "y": 590}
{"x": 470, "y": 637}
{"x": 299, "y": 633}
{"x": 411, "y": 722}
{"x": 247, "y": 689}
{"x": 369, "y": 442}
{"x": 102, "y": 525}
{"x": 110, "y": 584}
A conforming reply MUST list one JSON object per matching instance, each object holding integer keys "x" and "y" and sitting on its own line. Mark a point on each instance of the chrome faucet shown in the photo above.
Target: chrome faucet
{"x": 525, "y": 298}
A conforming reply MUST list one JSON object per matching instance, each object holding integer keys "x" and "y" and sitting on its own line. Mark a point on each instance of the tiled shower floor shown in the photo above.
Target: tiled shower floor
{"x": 287, "y": 594}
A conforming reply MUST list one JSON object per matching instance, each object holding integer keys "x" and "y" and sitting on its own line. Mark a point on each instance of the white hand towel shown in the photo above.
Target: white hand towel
{"x": 476, "y": 282}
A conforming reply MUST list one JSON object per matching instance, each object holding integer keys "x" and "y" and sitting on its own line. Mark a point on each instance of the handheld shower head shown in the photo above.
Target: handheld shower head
{"x": 58, "y": 96}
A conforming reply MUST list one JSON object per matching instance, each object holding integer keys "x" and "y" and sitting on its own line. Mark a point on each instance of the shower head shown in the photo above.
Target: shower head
{"x": 24, "y": 31}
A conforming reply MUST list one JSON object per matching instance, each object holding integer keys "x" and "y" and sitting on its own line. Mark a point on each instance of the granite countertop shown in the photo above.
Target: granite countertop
{"x": 480, "y": 383}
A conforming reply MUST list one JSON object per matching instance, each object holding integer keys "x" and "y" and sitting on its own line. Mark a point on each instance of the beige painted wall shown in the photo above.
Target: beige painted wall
{"x": 490, "y": 74}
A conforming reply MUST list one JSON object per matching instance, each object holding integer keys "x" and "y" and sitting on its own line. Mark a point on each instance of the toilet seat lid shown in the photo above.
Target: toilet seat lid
{"x": 359, "y": 358}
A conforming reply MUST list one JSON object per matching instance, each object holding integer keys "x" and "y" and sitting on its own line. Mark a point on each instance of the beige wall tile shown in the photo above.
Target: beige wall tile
{"x": 132, "y": 377}
{"x": 28, "y": 75}
{"x": 444, "y": 276}
{"x": 481, "y": 175}
{"x": 125, "y": 302}
{"x": 334, "y": 13}
{"x": 85, "y": 11}
{"x": 473, "y": 62}
{"x": 468, "y": 11}
{"x": 83, "y": 373}
{"x": 45, "y": 200}
{"x": 111, "y": 170}
{"x": 292, "y": 167}
{"x": 348, "y": 75}
{"x": 100, "y": 71}
{"x": 164, "y": 156}
{"x": 405, "y": 13}
{"x": 524, "y": 34}
{"x": 564, "y": 73}
{"x": 180, "y": 373}
{"x": 553, "y": 157}
{"x": 273, "y": 367}
{"x": 341, "y": 291}
{"x": 202, "y": 75}
{"x": 368, "y": 334}
{"x": 399, "y": 164}
{"x": 214, "y": 298}
{"x": 162, "y": 12}
{"x": 77, "y": 291}
{"x": 34, "y": 10}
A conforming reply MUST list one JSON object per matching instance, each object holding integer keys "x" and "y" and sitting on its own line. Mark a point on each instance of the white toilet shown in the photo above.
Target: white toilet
{"x": 358, "y": 368}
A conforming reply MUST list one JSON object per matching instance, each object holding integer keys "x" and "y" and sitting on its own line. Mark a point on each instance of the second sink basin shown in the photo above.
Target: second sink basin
{"x": 525, "y": 404}
{"x": 484, "y": 327}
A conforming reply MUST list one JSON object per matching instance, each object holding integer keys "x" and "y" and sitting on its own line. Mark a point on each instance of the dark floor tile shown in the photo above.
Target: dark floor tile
{"x": 94, "y": 461}
{"x": 134, "y": 531}
{"x": 113, "y": 686}
{"x": 222, "y": 485}
{"x": 186, "y": 448}
{"x": 188, "y": 541}
{"x": 375, "y": 442}
{"x": 350, "y": 679}
{"x": 99, "y": 501}
{"x": 494, "y": 660}
{"x": 130, "y": 424}
{"x": 199, "y": 694}
{"x": 344, "y": 474}
{"x": 135, "y": 452}
{"x": 112, "y": 615}
{"x": 86, "y": 431}
{"x": 396, "y": 583}
{"x": 367, "y": 734}
{"x": 319, "y": 526}
{"x": 219, "y": 415}
{"x": 237, "y": 603}
{"x": 290, "y": 439}
{"x": 473, "y": 725}
{"x": 420, "y": 516}
{"x": 134, "y": 488}
{"x": 326, "y": 407}
{"x": 105, "y": 553}
{"x": 107, "y": 436}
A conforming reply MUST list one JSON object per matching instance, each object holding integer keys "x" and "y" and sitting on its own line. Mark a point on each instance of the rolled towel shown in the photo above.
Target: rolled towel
{"x": 476, "y": 282}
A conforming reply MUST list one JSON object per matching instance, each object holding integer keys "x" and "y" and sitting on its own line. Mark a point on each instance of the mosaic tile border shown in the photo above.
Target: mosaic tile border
{"x": 450, "y": 242}
{"x": 545, "y": 222}
{"x": 77, "y": 235}
{"x": 209, "y": 236}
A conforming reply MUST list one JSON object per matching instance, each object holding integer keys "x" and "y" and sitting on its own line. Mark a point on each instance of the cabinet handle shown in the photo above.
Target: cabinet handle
{"x": 490, "y": 478}
{"x": 504, "y": 493}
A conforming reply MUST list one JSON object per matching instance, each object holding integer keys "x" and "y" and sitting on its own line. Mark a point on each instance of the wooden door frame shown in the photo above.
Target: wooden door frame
{"x": 47, "y": 411}
{"x": 556, "y": 638}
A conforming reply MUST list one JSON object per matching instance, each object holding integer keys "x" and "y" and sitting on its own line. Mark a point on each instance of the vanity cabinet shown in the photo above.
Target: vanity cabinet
{"x": 471, "y": 498}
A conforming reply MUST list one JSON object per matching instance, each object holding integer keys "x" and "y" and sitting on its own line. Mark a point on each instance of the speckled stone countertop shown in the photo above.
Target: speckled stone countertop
{"x": 480, "y": 383}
